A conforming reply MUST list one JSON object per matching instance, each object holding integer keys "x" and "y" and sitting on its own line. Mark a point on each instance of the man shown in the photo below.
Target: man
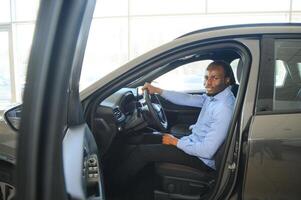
{"x": 207, "y": 134}
{"x": 217, "y": 104}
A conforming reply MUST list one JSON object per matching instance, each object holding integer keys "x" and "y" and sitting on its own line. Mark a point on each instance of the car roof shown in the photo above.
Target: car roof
{"x": 241, "y": 29}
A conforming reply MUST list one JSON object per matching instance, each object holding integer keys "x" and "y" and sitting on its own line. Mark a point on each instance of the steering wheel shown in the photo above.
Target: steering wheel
{"x": 156, "y": 111}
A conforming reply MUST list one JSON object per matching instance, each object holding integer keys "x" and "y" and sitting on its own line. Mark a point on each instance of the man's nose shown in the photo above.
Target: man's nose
{"x": 207, "y": 82}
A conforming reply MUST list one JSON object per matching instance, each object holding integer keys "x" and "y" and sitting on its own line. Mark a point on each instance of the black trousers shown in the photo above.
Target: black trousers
{"x": 148, "y": 148}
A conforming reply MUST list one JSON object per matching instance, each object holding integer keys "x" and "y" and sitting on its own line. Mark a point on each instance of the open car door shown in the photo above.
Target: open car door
{"x": 57, "y": 155}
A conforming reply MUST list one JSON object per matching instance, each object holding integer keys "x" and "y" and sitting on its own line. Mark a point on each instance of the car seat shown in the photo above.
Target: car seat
{"x": 175, "y": 181}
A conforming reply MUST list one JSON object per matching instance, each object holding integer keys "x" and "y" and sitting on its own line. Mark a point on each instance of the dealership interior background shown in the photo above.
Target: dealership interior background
{"x": 124, "y": 29}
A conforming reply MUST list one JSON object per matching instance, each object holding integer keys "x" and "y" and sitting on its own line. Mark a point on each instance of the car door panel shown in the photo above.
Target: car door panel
{"x": 273, "y": 170}
{"x": 57, "y": 51}
{"x": 274, "y": 142}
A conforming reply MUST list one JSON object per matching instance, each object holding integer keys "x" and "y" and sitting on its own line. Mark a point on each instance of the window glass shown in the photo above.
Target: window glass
{"x": 5, "y": 86}
{"x": 26, "y": 10}
{"x": 287, "y": 93}
{"x": 4, "y": 11}
{"x": 146, "y": 7}
{"x": 280, "y": 73}
{"x": 299, "y": 69}
{"x": 147, "y": 33}
{"x": 111, "y": 8}
{"x": 189, "y": 77}
{"x": 240, "y": 18}
{"x": 234, "y": 65}
{"x": 23, "y": 41}
{"x": 247, "y": 5}
{"x": 280, "y": 83}
{"x": 296, "y": 17}
{"x": 106, "y": 49}
{"x": 296, "y": 5}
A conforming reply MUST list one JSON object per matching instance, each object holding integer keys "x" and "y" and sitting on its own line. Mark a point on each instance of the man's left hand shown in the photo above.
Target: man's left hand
{"x": 169, "y": 140}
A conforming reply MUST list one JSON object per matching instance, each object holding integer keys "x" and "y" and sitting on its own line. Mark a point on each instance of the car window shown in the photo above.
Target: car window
{"x": 299, "y": 69}
{"x": 188, "y": 77}
{"x": 234, "y": 65}
{"x": 280, "y": 87}
{"x": 287, "y": 97}
{"x": 105, "y": 51}
{"x": 280, "y": 73}
{"x": 5, "y": 84}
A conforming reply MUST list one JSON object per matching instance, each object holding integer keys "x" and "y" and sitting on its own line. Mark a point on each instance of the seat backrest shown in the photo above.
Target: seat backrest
{"x": 234, "y": 89}
{"x": 218, "y": 156}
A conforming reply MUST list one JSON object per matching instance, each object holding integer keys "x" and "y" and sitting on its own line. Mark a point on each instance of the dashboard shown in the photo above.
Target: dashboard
{"x": 119, "y": 114}
{"x": 121, "y": 105}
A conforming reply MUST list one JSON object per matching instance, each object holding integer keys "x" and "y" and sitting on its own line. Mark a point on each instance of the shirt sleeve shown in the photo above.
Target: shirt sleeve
{"x": 184, "y": 99}
{"x": 215, "y": 136}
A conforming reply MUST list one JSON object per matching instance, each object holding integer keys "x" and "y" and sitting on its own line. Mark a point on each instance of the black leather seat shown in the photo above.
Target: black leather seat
{"x": 234, "y": 89}
{"x": 180, "y": 130}
{"x": 176, "y": 181}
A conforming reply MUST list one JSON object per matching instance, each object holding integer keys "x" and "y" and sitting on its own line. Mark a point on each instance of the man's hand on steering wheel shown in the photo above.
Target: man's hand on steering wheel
{"x": 156, "y": 112}
{"x": 151, "y": 89}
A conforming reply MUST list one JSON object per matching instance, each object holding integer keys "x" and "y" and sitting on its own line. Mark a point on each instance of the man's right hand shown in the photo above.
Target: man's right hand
{"x": 151, "y": 89}
{"x": 169, "y": 139}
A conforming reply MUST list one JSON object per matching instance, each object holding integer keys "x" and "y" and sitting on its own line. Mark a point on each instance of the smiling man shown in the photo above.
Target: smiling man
{"x": 210, "y": 130}
{"x": 207, "y": 134}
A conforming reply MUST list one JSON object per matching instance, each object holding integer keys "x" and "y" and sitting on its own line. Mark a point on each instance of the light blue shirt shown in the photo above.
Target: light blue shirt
{"x": 211, "y": 128}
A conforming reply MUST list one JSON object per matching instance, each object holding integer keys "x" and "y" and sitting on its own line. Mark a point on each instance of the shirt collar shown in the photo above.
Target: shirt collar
{"x": 221, "y": 95}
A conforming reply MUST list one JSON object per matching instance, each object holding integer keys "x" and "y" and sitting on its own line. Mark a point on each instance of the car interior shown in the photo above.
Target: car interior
{"x": 118, "y": 124}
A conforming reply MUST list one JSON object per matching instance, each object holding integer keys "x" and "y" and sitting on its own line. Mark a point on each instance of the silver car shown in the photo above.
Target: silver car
{"x": 69, "y": 143}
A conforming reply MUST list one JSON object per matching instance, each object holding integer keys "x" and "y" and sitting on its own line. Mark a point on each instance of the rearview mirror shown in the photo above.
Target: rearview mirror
{"x": 13, "y": 117}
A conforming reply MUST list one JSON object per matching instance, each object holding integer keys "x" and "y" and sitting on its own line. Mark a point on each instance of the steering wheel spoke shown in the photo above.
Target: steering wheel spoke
{"x": 156, "y": 111}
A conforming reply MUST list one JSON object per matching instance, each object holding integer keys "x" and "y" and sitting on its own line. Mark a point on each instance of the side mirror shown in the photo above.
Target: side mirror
{"x": 13, "y": 117}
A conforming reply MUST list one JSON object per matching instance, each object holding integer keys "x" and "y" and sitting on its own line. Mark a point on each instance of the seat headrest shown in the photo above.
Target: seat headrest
{"x": 239, "y": 70}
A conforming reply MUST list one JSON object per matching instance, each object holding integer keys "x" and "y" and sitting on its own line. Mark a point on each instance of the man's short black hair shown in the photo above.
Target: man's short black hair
{"x": 227, "y": 69}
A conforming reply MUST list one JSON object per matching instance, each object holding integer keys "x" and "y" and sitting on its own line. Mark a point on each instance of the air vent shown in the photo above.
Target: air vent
{"x": 117, "y": 114}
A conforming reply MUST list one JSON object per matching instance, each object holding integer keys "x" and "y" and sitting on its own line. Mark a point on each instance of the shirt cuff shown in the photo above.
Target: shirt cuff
{"x": 163, "y": 94}
{"x": 182, "y": 143}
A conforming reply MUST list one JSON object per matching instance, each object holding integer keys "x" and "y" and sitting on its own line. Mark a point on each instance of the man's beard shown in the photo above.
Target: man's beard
{"x": 215, "y": 93}
{"x": 211, "y": 94}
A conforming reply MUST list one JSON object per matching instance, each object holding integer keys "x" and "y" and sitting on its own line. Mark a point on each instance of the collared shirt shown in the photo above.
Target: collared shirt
{"x": 211, "y": 128}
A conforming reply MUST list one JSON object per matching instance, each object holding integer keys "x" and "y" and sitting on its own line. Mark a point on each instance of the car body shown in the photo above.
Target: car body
{"x": 261, "y": 157}
{"x": 269, "y": 125}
